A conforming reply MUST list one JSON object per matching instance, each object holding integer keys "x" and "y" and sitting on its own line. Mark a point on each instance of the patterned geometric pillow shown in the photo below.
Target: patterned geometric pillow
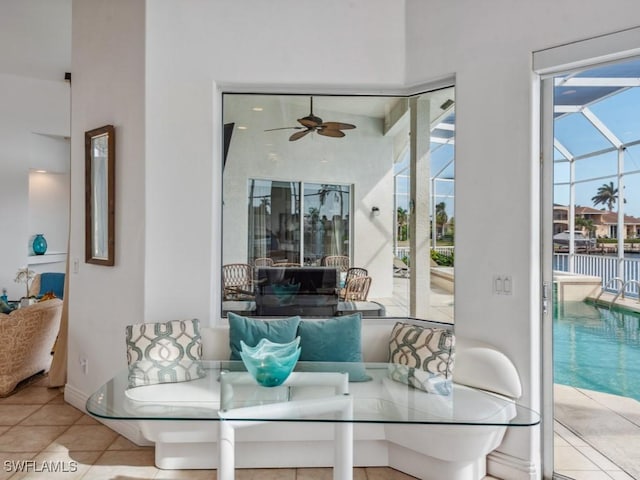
{"x": 417, "y": 378}
{"x": 428, "y": 354}
{"x": 164, "y": 352}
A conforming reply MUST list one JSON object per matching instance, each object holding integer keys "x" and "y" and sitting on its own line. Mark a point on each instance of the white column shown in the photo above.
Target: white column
{"x": 572, "y": 214}
{"x": 621, "y": 230}
{"x": 420, "y": 208}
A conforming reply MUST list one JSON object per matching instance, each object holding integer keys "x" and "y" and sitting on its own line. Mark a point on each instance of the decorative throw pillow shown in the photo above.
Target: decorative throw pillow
{"x": 164, "y": 352}
{"x": 417, "y": 378}
{"x": 252, "y": 330}
{"x": 428, "y": 353}
{"x": 336, "y": 339}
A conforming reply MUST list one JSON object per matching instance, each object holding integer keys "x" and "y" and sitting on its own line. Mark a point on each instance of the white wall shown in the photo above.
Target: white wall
{"x": 108, "y": 88}
{"x": 49, "y": 214}
{"x": 33, "y": 121}
{"x": 372, "y": 45}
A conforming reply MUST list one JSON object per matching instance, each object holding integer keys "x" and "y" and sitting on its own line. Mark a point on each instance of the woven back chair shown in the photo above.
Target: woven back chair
{"x": 339, "y": 261}
{"x": 353, "y": 272}
{"x": 263, "y": 262}
{"x": 357, "y": 289}
{"x": 237, "y": 281}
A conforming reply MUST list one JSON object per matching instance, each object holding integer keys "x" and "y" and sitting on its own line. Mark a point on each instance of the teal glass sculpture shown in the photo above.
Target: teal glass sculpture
{"x": 39, "y": 244}
{"x": 270, "y": 363}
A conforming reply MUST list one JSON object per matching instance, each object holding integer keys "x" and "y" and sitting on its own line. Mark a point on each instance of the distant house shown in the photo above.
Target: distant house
{"x": 605, "y": 222}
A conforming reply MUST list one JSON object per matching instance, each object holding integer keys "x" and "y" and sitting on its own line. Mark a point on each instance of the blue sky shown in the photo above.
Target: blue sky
{"x": 620, "y": 115}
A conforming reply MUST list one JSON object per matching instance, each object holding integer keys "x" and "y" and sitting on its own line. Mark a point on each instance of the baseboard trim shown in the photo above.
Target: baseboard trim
{"x": 502, "y": 465}
{"x": 127, "y": 428}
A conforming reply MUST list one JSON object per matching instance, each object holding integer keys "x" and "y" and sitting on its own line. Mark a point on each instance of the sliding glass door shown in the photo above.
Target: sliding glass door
{"x": 275, "y": 231}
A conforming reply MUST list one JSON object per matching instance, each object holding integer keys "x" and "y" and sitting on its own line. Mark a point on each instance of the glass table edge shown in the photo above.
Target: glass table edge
{"x": 524, "y": 417}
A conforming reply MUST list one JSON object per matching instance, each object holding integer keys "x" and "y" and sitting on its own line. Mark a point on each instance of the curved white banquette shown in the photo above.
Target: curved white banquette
{"x": 451, "y": 452}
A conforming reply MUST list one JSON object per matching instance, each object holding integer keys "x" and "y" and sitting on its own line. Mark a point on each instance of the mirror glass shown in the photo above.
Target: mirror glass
{"x": 319, "y": 190}
{"x": 100, "y": 180}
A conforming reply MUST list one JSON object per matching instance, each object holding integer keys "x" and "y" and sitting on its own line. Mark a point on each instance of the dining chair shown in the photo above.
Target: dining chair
{"x": 339, "y": 261}
{"x": 353, "y": 272}
{"x": 263, "y": 262}
{"x": 357, "y": 289}
{"x": 237, "y": 281}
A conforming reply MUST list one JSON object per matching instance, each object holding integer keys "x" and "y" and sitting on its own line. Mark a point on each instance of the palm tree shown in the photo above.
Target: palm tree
{"x": 607, "y": 195}
{"x": 585, "y": 224}
{"x": 401, "y": 220}
{"x": 441, "y": 216}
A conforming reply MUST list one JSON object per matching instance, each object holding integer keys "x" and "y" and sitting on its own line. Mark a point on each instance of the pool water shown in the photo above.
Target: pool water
{"x": 597, "y": 348}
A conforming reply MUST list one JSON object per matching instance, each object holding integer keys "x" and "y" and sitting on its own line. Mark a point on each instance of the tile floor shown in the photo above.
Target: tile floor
{"x": 54, "y": 440}
{"x": 43, "y": 432}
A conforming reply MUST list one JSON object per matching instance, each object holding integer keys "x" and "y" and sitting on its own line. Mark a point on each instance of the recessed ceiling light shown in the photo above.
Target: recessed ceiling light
{"x": 242, "y": 127}
{"x": 41, "y": 171}
{"x": 257, "y": 109}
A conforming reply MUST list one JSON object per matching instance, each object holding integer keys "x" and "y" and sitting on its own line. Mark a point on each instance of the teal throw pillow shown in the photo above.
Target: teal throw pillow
{"x": 336, "y": 339}
{"x": 252, "y": 330}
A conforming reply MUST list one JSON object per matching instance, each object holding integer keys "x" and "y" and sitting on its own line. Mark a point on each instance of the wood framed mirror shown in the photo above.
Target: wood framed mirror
{"x": 100, "y": 189}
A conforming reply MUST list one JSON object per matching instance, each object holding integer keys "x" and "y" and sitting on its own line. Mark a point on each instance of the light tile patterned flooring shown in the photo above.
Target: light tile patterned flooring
{"x": 53, "y": 440}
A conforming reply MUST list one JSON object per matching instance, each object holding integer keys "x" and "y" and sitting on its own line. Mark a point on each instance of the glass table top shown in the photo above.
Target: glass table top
{"x": 228, "y": 392}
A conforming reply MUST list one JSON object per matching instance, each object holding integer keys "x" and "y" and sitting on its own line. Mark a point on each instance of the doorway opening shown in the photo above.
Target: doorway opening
{"x": 596, "y": 269}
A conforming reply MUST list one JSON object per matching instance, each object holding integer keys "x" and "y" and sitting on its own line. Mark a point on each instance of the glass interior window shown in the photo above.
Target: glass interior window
{"x": 313, "y": 186}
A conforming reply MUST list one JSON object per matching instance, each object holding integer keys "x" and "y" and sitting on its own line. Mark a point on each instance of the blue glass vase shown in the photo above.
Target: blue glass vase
{"x": 269, "y": 363}
{"x": 39, "y": 244}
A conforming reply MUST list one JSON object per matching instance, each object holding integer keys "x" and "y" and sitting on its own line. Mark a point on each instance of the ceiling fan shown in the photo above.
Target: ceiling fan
{"x": 311, "y": 123}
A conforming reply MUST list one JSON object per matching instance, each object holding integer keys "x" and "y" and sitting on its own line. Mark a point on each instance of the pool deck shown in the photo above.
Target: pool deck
{"x": 597, "y": 435}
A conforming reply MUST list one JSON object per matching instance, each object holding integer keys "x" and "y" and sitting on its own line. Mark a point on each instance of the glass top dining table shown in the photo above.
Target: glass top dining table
{"x": 228, "y": 392}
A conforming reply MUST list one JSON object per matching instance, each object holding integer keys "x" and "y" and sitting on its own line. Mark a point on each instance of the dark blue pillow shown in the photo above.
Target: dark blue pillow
{"x": 52, "y": 282}
{"x": 252, "y": 330}
{"x": 336, "y": 339}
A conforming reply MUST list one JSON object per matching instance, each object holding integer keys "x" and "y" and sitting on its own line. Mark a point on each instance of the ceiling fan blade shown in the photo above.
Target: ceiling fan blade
{"x": 310, "y": 121}
{"x": 330, "y": 132}
{"x": 283, "y": 128}
{"x": 338, "y": 125}
{"x": 299, "y": 135}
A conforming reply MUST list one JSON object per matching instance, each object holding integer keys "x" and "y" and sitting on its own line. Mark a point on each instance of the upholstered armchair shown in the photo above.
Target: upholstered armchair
{"x": 27, "y": 336}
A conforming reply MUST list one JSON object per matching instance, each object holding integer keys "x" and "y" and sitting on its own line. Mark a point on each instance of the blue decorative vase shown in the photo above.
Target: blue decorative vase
{"x": 270, "y": 363}
{"x": 39, "y": 244}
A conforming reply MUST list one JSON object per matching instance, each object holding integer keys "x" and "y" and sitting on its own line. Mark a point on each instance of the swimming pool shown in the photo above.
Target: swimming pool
{"x": 597, "y": 349}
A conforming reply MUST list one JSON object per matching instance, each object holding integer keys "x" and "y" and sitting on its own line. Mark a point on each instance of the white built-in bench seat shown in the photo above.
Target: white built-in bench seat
{"x": 426, "y": 451}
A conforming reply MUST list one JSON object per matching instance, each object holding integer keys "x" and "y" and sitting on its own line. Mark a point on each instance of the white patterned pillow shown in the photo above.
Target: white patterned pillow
{"x": 164, "y": 352}
{"x": 417, "y": 378}
{"x": 425, "y": 354}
